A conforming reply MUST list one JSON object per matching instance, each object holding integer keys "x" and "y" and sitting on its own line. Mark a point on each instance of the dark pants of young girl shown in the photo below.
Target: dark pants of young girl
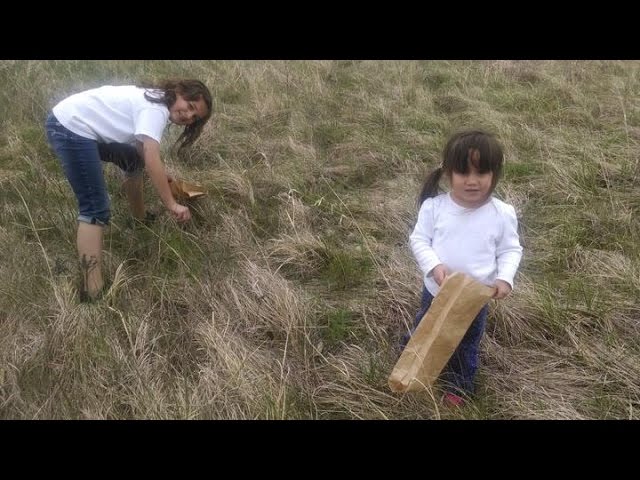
{"x": 123, "y": 155}
{"x": 460, "y": 372}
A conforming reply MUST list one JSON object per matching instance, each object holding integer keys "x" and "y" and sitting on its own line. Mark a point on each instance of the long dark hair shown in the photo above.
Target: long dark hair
{"x": 193, "y": 90}
{"x": 468, "y": 146}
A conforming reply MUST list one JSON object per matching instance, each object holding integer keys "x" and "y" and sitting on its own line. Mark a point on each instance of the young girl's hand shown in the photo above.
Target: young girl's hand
{"x": 181, "y": 213}
{"x": 439, "y": 273}
{"x": 502, "y": 289}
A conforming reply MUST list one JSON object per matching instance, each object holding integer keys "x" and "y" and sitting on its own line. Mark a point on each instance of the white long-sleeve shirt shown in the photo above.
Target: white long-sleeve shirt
{"x": 481, "y": 242}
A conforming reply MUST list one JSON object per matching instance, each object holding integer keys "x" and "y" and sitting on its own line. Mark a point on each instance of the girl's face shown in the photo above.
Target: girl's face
{"x": 471, "y": 190}
{"x": 185, "y": 112}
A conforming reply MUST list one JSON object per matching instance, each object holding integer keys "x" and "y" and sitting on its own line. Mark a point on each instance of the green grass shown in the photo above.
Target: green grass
{"x": 345, "y": 270}
{"x": 338, "y": 326}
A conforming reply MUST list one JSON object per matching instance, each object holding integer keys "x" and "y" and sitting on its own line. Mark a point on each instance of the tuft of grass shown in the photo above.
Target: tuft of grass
{"x": 338, "y": 326}
{"x": 343, "y": 270}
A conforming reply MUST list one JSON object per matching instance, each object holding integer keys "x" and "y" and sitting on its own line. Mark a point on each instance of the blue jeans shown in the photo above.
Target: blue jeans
{"x": 460, "y": 371}
{"x": 81, "y": 160}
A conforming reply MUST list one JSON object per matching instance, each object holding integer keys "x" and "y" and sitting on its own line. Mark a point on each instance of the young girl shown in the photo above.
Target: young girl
{"x": 466, "y": 230}
{"x": 123, "y": 125}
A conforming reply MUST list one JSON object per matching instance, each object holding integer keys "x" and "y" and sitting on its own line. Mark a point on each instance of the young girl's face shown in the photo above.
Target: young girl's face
{"x": 185, "y": 112}
{"x": 471, "y": 189}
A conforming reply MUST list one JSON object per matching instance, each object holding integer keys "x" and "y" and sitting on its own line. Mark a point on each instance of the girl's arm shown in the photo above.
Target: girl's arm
{"x": 157, "y": 173}
{"x": 422, "y": 237}
{"x": 508, "y": 251}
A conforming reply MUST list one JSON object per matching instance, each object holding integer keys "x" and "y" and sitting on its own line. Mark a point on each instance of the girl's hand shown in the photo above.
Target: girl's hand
{"x": 439, "y": 273}
{"x": 180, "y": 213}
{"x": 502, "y": 289}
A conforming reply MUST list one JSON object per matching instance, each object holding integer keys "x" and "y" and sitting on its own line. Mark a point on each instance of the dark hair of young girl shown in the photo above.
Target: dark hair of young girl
{"x": 191, "y": 90}
{"x": 466, "y": 147}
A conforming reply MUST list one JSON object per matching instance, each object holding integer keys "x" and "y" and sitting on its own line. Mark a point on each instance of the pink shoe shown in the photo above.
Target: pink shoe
{"x": 452, "y": 400}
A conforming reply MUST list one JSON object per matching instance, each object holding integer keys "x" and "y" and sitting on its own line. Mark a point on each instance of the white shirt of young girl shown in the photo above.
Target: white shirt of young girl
{"x": 482, "y": 242}
{"x": 108, "y": 114}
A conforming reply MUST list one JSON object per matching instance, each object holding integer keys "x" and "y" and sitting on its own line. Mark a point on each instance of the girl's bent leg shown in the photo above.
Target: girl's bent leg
{"x": 132, "y": 186}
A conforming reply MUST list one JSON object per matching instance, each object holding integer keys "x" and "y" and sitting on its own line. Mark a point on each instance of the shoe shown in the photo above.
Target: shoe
{"x": 452, "y": 400}
{"x": 148, "y": 220}
{"x": 85, "y": 298}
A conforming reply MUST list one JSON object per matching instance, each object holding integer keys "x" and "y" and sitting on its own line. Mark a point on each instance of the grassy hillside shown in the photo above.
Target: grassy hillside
{"x": 286, "y": 295}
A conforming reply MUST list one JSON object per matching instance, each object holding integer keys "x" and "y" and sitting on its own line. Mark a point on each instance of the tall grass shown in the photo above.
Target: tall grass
{"x": 286, "y": 295}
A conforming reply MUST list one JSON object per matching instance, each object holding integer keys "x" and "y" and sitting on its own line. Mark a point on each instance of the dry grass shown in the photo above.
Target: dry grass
{"x": 286, "y": 295}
